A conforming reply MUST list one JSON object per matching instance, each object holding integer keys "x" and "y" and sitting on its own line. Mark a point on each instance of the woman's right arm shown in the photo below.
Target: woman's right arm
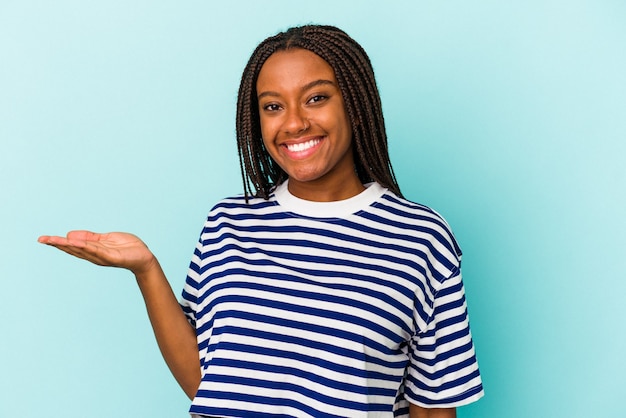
{"x": 175, "y": 336}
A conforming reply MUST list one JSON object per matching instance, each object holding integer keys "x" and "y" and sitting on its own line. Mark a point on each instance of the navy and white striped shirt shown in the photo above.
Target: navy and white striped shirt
{"x": 328, "y": 309}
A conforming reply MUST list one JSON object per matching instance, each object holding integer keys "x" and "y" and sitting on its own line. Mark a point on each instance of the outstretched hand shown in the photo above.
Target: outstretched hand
{"x": 114, "y": 249}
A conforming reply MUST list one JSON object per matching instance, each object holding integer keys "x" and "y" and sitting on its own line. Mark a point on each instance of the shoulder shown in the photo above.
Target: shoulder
{"x": 238, "y": 204}
{"x": 410, "y": 209}
{"x": 418, "y": 219}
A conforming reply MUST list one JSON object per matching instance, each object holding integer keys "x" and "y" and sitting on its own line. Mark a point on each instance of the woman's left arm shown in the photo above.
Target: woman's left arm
{"x": 419, "y": 412}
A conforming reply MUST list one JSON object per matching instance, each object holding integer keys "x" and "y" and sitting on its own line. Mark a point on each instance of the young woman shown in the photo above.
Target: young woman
{"x": 319, "y": 292}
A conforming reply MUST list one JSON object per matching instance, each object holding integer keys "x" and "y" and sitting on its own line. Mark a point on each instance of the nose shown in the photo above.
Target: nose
{"x": 296, "y": 121}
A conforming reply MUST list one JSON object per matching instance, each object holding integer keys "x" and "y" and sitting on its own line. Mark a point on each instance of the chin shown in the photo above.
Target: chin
{"x": 304, "y": 175}
{"x": 305, "y": 178}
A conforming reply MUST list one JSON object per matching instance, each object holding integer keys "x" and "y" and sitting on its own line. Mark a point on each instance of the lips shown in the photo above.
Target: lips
{"x": 302, "y": 149}
{"x": 303, "y": 146}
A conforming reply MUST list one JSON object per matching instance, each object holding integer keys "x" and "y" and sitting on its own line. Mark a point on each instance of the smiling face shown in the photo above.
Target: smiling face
{"x": 305, "y": 127}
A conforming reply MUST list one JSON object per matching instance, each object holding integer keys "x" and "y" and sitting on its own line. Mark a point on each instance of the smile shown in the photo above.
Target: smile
{"x": 303, "y": 146}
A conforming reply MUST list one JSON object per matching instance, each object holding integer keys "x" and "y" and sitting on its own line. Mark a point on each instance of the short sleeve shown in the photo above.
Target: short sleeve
{"x": 189, "y": 297}
{"x": 443, "y": 371}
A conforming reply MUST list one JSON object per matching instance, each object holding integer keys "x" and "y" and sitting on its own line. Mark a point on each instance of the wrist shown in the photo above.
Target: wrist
{"x": 147, "y": 269}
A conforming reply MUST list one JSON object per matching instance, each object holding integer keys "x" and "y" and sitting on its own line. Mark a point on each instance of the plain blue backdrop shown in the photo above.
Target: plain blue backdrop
{"x": 509, "y": 118}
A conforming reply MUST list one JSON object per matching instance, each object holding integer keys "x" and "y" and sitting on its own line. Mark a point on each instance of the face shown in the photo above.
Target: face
{"x": 304, "y": 124}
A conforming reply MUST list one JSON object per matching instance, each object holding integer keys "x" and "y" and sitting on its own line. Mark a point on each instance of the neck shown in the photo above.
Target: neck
{"x": 321, "y": 191}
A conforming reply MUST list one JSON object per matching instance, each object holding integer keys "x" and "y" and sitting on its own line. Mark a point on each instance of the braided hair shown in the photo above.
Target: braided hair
{"x": 355, "y": 77}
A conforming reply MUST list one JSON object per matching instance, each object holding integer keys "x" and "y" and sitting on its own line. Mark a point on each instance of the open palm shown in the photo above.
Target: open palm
{"x": 114, "y": 249}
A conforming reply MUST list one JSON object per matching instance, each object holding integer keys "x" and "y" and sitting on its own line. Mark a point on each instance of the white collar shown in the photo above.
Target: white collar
{"x": 336, "y": 209}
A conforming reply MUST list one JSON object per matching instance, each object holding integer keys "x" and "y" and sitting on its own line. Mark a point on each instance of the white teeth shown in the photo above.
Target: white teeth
{"x": 302, "y": 146}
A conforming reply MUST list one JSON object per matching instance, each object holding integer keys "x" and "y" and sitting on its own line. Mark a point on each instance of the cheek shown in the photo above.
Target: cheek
{"x": 345, "y": 128}
{"x": 267, "y": 128}
{"x": 268, "y": 145}
{"x": 338, "y": 118}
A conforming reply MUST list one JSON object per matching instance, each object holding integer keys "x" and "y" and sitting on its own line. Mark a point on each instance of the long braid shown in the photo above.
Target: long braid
{"x": 357, "y": 84}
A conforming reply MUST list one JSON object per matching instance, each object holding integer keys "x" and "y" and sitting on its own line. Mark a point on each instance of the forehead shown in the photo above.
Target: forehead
{"x": 292, "y": 67}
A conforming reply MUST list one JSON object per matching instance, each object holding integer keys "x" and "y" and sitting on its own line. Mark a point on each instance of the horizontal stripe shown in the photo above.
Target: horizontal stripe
{"x": 298, "y": 315}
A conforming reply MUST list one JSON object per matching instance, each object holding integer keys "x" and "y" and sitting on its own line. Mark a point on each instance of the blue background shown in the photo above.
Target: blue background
{"x": 509, "y": 118}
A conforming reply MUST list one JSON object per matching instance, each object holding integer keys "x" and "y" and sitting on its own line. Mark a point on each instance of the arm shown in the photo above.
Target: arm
{"x": 175, "y": 336}
{"x": 419, "y": 412}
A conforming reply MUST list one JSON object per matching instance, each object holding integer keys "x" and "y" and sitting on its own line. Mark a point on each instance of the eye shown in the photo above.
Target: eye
{"x": 317, "y": 98}
{"x": 271, "y": 107}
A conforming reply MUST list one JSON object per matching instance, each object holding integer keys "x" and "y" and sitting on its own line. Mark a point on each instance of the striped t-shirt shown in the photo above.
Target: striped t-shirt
{"x": 328, "y": 309}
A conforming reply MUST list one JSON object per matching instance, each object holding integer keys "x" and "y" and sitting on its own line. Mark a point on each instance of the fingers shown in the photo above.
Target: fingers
{"x": 52, "y": 240}
{"x": 77, "y": 238}
{"x": 60, "y": 241}
{"x": 74, "y": 244}
{"x": 115, "y": 249}
{"x": 44, "y": 239}
{"x": 81, "y": 244}
{"x": 80, "y": 253}
{"x": 81, "y": 235}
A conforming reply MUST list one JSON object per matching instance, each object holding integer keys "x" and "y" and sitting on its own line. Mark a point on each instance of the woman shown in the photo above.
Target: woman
{"x": 321, "y": 291}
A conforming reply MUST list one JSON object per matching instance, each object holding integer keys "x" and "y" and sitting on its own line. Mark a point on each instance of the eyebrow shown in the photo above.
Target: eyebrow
{"x": 306, "y": 87}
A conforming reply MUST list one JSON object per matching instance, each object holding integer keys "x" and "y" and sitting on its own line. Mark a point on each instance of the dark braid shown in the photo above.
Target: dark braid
{"x": 356, "y": 81}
